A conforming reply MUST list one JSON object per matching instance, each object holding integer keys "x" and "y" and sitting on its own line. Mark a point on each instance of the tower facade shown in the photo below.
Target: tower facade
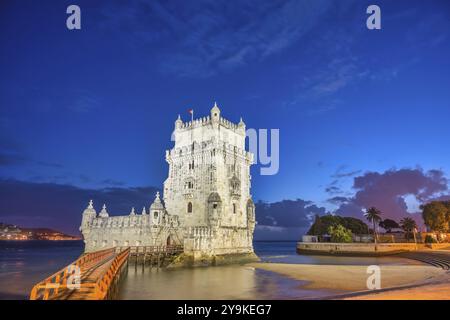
{"x": 208, "y": 185}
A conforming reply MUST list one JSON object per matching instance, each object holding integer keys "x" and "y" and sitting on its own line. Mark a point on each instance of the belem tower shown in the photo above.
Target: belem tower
{"x": 207, "y": 206}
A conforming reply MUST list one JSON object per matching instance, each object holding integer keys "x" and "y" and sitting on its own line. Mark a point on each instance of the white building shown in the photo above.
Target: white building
{"x": 207, "y": 202}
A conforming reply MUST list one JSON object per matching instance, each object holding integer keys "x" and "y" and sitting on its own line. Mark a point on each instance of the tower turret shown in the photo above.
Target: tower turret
{"x": 215, "y": 113}
{"x": 103, "y": 213}
{"x": 241, "y": 126}
{"x": 89, "y": 214}
{"x": 156, "y": 210}
{"x": 178, "y": 123}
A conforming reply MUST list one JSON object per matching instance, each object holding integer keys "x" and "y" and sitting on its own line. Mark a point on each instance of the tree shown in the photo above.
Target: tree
{"x": 355, "y": 225}
{"x": 388, "y": 225}
{"x": 436, "y": 215}
{"x": 321, "y": 224}
{"x": 339, "y": 233}
{"x": 316, "y": 227}
{"x": 408, "y": 225}
{"x": 374, "y": 215}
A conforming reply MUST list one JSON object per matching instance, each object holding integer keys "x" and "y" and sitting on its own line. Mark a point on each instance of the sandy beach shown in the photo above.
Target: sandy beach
{"x": 352, "y": 278}
{"x": 439, "y": 291}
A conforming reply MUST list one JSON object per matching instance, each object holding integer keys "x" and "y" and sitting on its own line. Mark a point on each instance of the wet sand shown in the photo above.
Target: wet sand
{"x": 351, "y": 278}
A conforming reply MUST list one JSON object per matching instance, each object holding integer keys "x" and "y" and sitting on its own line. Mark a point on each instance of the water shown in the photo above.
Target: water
{"x": 285, "y": 252}
{"x": 24, "y": 263}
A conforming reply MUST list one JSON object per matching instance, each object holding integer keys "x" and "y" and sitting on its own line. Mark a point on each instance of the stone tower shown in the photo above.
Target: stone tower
{"x": 208, "y": 185}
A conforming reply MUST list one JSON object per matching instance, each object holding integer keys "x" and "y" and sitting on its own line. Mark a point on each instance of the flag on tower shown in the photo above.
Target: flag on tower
{"x": 191, "y": 111}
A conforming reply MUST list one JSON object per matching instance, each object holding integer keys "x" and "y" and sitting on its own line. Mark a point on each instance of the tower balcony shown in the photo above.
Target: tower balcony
{"x": 188, "y": 193}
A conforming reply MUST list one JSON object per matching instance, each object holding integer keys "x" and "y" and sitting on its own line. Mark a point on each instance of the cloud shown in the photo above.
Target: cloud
{"x": 83, "y": 103}
{"x": 270, "y": 233}
{"x": 285, "y": 220}
{"x": 336, "y": 68}
{"x": 338, "y": 200}
{"x": 388, "y": 190}
{"x": 112, "y": 182}
{"x": 18, "y": 158}
{"x": 207, "y": 37}
{"x": 287, "y": 213}
{"x": 11, "y": 159}
{"x": 333, "y": 190}
{"x": 341, "y": 173}
{"x": 59, "y": 206}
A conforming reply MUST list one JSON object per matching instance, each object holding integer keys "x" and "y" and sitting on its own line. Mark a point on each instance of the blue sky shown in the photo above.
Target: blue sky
{"x": 94, "y": 108}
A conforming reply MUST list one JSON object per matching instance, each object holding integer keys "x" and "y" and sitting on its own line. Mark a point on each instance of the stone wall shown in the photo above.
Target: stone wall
{"x": 355, "y": 248}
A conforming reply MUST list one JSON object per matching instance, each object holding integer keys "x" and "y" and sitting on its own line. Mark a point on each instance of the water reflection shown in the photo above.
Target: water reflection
{"x": 24, "y": 263}
{"x": 224, "y": 282}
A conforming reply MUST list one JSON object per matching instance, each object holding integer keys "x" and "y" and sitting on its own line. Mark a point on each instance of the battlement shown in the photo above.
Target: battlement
{"x": 204, "y": 121}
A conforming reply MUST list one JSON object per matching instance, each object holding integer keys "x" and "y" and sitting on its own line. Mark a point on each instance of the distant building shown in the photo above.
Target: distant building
{"x": 207, "y": 206}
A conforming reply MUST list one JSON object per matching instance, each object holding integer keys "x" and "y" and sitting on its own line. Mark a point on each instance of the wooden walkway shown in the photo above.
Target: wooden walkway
{"x": 93, "y": 276}
{"x": 96, "y": 275}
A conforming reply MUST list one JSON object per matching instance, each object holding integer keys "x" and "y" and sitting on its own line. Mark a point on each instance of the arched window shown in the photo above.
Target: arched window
{"x": 155, "y": 215}
{"x": 234, "y": 207}
{"x": 189, "y": 207}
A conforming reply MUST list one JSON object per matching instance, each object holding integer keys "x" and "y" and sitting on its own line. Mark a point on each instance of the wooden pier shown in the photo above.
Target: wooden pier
{"x": 153, "y": 256}
{"x": 96, "y": 275}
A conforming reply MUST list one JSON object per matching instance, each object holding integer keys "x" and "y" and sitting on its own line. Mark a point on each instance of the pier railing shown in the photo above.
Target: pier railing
{"x": 107, "y": 282}
{"x": 76, "y": 279}
{"x": 139, "y": 250}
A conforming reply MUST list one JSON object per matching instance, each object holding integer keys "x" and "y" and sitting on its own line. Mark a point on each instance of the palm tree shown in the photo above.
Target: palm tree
{"x": 408, "y": 225}
{"x": 373, "y": 215}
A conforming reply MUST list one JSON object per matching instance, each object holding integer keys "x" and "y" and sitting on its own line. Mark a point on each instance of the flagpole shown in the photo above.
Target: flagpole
{"x": 192, "y": 115}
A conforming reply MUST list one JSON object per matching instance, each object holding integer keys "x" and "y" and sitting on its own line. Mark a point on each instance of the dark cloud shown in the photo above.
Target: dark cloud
{"x": 338, "y": 200}
{"x": 284, "y": 220}
{"x": 49, "y": 164}
{"x": 111, "y": 182}
{"x": 60, "y": 206}
{"x": 17, "y": 158}
{"x": 11, "y": 159}
{"x": 287, "y": 213}
{"x": 342, "y": 173}
{"x": 346, "y": 174}
{"x": 333, "y": 190}
{"x": 387, "y": 191}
